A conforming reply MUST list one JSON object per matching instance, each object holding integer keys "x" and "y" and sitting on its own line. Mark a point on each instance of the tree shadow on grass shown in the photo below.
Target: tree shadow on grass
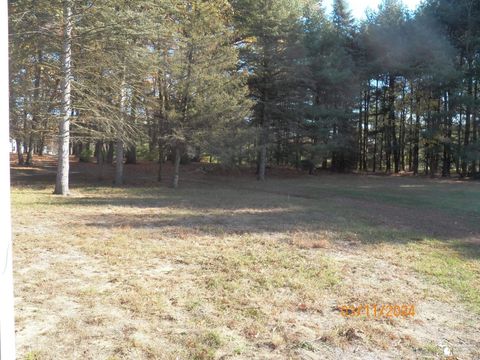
{"x": 255, "y": 212}
{"x": 212, "y": 206}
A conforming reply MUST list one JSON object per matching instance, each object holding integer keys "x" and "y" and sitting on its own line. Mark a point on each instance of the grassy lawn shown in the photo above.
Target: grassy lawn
{"x": 229, "y": 268}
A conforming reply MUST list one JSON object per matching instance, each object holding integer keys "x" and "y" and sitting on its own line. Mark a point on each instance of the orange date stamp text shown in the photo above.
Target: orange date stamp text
{"x": 378, "y": 310}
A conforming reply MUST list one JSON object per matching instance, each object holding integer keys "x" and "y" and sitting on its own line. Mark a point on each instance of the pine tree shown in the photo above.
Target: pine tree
{"x": 268, "y": 30}
{"x": 33, "y": 74}
{"x": 332, "y": 90}
{"x": 206, "y": 92}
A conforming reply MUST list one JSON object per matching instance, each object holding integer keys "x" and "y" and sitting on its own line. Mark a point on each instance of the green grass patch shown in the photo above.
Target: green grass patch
{"x": 453, "y": 265}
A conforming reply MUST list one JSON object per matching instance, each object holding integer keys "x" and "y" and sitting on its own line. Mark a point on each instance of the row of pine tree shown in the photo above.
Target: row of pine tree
{"x": 248, "y": 82}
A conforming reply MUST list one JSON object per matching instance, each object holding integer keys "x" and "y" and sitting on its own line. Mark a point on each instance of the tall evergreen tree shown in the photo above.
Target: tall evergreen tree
{"x": 268, "y": 30}
{"x": 206, "y": 92}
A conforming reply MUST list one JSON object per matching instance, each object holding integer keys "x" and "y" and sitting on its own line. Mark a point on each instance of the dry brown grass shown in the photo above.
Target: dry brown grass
{"x": 310, "y": 240}
{"x": 215, "y": 272}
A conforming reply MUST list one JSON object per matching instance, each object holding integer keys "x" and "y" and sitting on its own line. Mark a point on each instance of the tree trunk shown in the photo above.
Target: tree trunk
{"x": 389, "y": 131}
{"x": 297, "y": 152}
{"x": 448, "y": 137}
{"x": 100, "y": 155}
{"x": 119, "y": 148}
{"x": 396, "y": 149}
{"x": 41, "y": 145}
{"x": 333, "y": 164}
{"x": 262, "y": 161}
{"x": 403, "y": 120}
{"x": 110, "y": 152}
{"x": 374, "y": 166}
{"x": 429, "y": 147}
{"x": 468, "y": 113}
{"x": 360, "y": 133}
{"x": 364, "y": 138}
{"x": 416, "y": 147}
{"x": 410, "y": 130}
{"x": 62, "y": 186}
{"x": 119, "y": 162}
{"x": 162, "y": 117}
{"x": 265, "y": 122}
{"x": 36, "y": 107}
{"x": 262, "y": 156}
{"x": 176, "y": 167}
{"x": 21, "y": 161}
{"x": 29, "y": 160}
{"x": 160, "y": 162}
{"x": 365, "y": 129}
{"x": 475, "y": 127}
{"x": 77, "y": 148}
{"x": 458, "y": 164}
{"x": 131, "y": 155}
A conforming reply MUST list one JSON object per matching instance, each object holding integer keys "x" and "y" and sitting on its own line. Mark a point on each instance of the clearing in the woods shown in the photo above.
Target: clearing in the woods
{"x": 228, "y": 268}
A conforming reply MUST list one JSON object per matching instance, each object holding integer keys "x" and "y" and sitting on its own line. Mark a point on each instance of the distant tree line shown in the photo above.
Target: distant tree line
{"x": 247, "y": 82}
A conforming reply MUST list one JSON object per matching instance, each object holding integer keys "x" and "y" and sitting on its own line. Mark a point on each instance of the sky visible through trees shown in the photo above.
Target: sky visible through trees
{"x": 358, "y": 8}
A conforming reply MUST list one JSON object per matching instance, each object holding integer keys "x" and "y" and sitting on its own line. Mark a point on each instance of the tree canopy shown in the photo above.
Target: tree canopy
{"x": 249, "y": 83}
